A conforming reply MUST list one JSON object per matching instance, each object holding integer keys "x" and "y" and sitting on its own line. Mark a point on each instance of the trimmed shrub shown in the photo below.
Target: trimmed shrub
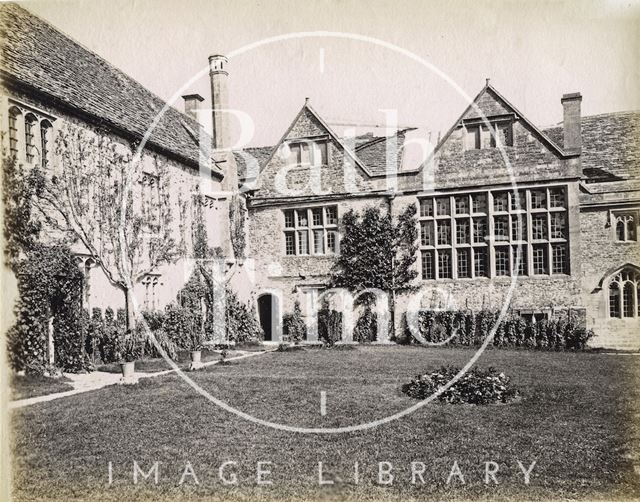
{"x": 293, "y": 326}
{"x": 329, "y": 325}
{"x": 477, "y": 386}
{"x": 467, "y": 328}
{"x": 366, "y": 328}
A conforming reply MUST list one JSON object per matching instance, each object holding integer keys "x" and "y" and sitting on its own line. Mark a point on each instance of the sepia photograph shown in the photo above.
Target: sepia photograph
{"x": 335, "y": 250}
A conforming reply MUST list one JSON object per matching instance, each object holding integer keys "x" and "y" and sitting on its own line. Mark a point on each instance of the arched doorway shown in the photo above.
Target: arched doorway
{"x": 269, "y": 314}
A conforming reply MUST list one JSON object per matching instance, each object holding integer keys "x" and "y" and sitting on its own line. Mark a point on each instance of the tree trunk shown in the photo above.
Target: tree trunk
{"x": 128, "y": 305}
{"x": 392, "y": 314}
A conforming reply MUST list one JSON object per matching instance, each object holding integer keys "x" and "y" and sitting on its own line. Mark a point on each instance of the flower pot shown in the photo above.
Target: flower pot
{"x": 128, "y": 369}
{"x": 196, "y": 360}
{"x": 128, "y": 373}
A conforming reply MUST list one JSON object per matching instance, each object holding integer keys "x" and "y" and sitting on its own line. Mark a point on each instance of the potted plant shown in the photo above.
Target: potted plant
{"x": 196, "y": 341}
{"x": 129, "y": 351}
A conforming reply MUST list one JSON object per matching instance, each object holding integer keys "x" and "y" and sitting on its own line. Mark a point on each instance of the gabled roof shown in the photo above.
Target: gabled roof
{"x": 488, "y": 88}
{"x": 308, "y": 109}
{"x": 38, "y": 58}
{"x": 610, "y": 146}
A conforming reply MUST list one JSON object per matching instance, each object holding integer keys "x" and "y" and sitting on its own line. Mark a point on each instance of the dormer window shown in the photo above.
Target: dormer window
{"x": 307, "y": 153}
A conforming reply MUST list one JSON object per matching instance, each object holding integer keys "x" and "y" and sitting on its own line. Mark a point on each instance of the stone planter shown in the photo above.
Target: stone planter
{"x": 128, "y": 373}
{"x": 196, "y": 360}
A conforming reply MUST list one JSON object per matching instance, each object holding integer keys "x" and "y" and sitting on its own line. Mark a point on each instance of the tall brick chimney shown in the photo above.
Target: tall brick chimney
{"x": 219, "y": 101}
{"x": 571, "y": 122}
{"x": 192, "y": 104}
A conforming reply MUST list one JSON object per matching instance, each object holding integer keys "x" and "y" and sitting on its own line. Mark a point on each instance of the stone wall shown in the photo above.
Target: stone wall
{"x": 602, "y": 256}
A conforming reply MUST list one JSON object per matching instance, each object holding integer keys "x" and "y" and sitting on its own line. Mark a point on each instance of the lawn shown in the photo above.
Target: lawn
{"x": 576, "y": 419}
{"x": 26, "y": 386}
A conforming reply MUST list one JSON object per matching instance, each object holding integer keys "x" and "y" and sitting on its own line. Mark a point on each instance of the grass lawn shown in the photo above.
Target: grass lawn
{"x": 26, "y": 386}
{"x": 577, "y": 419}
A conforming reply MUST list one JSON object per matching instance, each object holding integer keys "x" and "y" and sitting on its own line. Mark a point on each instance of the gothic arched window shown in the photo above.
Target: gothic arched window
{"x": 14, "y": 114}
{"x": 30, "y": 122}
{"x": 623, "y": 294}
{"x": 45, "y": 141}
{"x": 626, "y": 226}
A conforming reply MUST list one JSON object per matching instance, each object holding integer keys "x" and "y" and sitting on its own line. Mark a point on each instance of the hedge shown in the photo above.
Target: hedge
{"x": 471, "y": 328}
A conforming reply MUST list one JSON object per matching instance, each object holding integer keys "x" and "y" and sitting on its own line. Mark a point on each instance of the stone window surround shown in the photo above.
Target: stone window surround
{"x": 44, "y": 121}
{"x": 614, "y": 214}
{"x": 490, "y": 242}
{"x": 618, "y": 282}
{"x": 322, "y": 140}
{"x": 310, "y": 230}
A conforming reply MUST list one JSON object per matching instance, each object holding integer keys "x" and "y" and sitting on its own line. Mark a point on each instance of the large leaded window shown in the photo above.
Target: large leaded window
{"x": 498, "y": 233}
{"x": 624, "y": 290}
{"x": 311, "y": 231}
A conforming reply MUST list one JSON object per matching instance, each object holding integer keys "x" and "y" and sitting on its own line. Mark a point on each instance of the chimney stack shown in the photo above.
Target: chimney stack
{"x": 571, "y": 122}
{"x": 219, "y": 101}
{"x": 192, "y": 104}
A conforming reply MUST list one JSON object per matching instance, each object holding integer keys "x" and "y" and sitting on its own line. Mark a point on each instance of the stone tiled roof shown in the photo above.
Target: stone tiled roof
{"x": 373, "y": 153}
{"x": 260, "y": 155}
{"x": 610, "y": 146}
{"x": 37, "y": 55}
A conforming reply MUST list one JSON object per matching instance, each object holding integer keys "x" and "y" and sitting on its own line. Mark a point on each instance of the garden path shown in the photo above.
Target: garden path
{"x": 98, "y": 379}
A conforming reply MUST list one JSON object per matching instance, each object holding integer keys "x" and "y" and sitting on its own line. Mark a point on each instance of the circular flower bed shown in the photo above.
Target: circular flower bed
{"x": 477, "y": 386}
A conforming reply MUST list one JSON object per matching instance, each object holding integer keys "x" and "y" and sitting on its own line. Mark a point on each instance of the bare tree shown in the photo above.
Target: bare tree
{"x": 98, "y": 193}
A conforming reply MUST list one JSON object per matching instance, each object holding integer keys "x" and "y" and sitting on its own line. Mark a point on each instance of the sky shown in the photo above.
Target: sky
{"x": 429, "y": 58}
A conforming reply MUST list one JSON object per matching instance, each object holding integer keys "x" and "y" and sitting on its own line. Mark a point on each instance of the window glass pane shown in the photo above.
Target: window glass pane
{"x": 558, "y": 259}
{"x": 426, "y": 207}
{"x": 479, "y": 230}
{"x": 462, "y": 204}
{"x": 442, "y": 206}
{"x": 502, "y": 260}
{"x": 303, "y": 220}
{"x": 305, "y": 156}
{"x": 522, "y": 262}
{"x": 539, "y": 259}
{"x": 479, "y": 203}
{"x": 332, "y": 241}
{"x": 480, "y": 262}
{"x": 444, "y": 264}
{"x": 627, "y": 299}
{"x": 290, "y": 243}
{"x": 318, "y": 241}
{"x": 501, "y": 228}
{"x": 558, "y": 226}
{"x": 462, "y": 231}
{"x": 444, "y": 232}
{"x": 501, "y": 201}
{"x": 426, "y": 233}
{"x": 428, "y": 269}
{"x": 539, "y": 226}
{"x": 518, "y": 203}
{"x": 288, "y": 219}
{"x": 316, "y": 214}
{"x": 614, "y": 300}
{"x": 556, "y": 197}
{"x": 303, "y": 242}
{"x": 519, "y": 227}
{"x": 464, "y": 260}
{"x": 539, "y": 199}
{"x": 332, "y": 215}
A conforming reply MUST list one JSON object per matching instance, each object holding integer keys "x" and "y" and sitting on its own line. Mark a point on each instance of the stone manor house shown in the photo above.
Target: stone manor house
{"x": 568, "y": 198}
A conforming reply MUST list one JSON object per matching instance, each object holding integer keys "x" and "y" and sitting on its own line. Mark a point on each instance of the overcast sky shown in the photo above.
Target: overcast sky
{"x": 532, "y": 51}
